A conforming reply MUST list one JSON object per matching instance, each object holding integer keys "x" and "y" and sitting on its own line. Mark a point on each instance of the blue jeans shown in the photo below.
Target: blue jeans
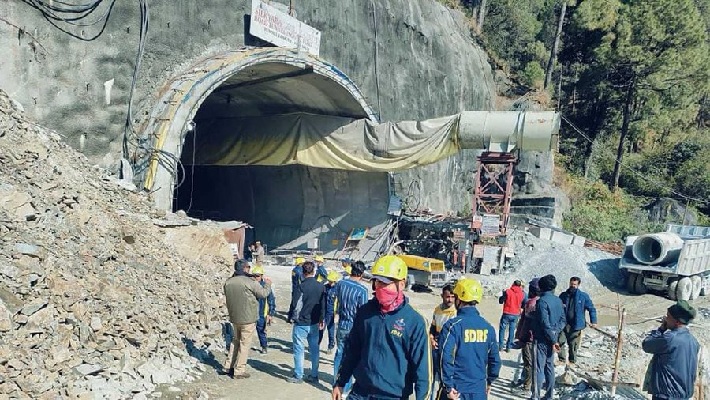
{"x": 330, "y": 326}
{"x": 544, "y": 364}
{"x": 301, "y": 335}
{"x": 507, "y": 321}
{"x": 261, "y": 331}
{"x": 340, "y": 338}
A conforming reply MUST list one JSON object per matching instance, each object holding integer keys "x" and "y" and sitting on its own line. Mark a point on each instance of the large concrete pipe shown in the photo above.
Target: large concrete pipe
{"x": 657, "y": 248}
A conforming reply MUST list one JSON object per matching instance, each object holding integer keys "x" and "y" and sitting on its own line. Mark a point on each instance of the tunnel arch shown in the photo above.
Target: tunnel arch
{"x": 264, "y": 83}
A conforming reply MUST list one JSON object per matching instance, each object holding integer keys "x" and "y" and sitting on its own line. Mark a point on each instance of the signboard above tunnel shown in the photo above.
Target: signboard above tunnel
{"x": 281, "y": 29}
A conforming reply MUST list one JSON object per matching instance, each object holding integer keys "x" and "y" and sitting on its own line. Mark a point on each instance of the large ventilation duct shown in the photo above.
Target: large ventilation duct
{"x": 363, "y": 145}
{"x": 657, "y": 248}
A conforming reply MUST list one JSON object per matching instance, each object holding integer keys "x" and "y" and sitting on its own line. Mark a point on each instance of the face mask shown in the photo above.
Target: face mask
{"x": 388, "y": 299}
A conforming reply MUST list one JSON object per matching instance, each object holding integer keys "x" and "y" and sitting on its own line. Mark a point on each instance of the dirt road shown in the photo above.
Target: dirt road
{"x": 269, "y": 372}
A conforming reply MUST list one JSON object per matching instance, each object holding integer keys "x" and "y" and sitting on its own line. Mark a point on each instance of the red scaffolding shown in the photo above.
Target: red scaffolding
{"x": 493, "y": 189}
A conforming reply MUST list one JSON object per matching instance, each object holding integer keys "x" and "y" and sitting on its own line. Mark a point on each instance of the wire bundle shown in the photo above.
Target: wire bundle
{"x": 59, "y": 13}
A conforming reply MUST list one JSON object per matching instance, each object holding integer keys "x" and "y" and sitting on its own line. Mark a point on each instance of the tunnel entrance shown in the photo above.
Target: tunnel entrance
{"x": 286, "y": 204}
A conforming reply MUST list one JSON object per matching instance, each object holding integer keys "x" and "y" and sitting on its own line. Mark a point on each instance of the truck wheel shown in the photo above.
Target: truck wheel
{"x": 639, "y": 286}
{"x": 631, "y": 283}
{"x": 697, "y": 282}
{"x": 672, "y": 287}
{"x": 685, "y": 289}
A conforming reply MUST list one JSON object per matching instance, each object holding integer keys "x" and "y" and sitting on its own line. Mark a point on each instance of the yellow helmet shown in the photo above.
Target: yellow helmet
{"x": 257, "y": 270}
{"x": 349, "y": 269}
{"x": 468, "y": 290}
{"x": 391, "y": 267}
{"x": 319, "y": 259}
{"x": 300, "y": 260}
{"x": 333, "y": 276}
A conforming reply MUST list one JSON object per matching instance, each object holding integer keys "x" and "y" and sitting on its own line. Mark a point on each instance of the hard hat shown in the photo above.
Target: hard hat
{"x": 389, "y": 267}
{"x": 333, "y": 276}
{"x": 468, "y": 290}
{"x": 257, "y": 270}
{"x": 319, "y": 258}
{"x": 300, "y": 260}
{"x": 349, "y": 269}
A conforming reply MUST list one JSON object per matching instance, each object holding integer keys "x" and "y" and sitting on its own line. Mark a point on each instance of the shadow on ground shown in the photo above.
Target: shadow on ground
{"x": 202, "y": 354}
{"x": 608, "y": 274}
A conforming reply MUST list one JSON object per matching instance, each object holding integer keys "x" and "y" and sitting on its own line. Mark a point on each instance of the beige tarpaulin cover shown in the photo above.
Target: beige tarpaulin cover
{"x": 357, "y": 145}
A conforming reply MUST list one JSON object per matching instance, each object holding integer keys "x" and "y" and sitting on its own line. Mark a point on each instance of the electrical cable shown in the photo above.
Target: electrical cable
{"x": 49, "y": 14}
{"x": 658, "y": 184}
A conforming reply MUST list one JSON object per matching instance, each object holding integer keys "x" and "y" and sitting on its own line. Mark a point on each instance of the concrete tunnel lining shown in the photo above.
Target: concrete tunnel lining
{"x": 301, "y": 201}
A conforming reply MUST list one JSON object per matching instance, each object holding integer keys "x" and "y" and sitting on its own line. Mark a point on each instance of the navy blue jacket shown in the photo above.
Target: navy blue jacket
{"x": 582, "y": 303}
{"x": 469, "y": 354}
{"x": 674, "y": 364}
{"x": 267, "y": 306}
{"x": 329, "y": 302}
{"x": 388, "y": 354}
{"x": 296, "y": 277}
{"x": 548, "y": 320}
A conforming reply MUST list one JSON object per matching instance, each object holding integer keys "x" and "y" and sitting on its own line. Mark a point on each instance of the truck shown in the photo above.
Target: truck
{"x": 676, "y": 262}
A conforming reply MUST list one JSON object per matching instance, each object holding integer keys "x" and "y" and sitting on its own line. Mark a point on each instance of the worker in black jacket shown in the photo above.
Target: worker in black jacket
{"x": 307, "y": 312}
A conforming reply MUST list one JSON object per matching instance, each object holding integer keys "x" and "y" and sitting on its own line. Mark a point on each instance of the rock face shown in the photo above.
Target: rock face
{"x": 95, "y": 299}
{"x": 412, "y": 59}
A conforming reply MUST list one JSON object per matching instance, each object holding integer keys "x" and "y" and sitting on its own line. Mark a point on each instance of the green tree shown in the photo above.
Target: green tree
{"x": 655, "y": 55}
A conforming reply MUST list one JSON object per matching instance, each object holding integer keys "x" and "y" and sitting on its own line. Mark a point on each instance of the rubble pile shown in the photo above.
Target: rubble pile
{"x": 95, "y": 299}
{"x": 535, "y": 257}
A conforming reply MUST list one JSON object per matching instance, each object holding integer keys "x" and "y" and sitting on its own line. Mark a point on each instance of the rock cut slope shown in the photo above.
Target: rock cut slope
{"x": 95, "y": 299}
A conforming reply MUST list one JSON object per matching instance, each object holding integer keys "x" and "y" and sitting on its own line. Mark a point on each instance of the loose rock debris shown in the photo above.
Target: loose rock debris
{"x": 93, "y": 301}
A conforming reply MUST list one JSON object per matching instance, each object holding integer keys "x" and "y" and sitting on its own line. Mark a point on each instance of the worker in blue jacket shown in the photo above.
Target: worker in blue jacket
{"x": 673, "y": 368}
{"x": 267, "y": 308}
{"x": 576, "y": 303}
{"x": 388, "y": 350}
{"x": 548, "y": 320}
{"x": 331, "y": 303}
{"x": 469, "y": 352}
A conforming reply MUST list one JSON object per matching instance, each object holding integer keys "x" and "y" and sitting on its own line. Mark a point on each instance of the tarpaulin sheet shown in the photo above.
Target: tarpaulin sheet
{"x": 323, "y": 142}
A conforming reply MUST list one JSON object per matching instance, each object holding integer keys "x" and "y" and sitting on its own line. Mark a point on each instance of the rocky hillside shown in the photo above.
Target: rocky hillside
{"x": 94, "y": 295}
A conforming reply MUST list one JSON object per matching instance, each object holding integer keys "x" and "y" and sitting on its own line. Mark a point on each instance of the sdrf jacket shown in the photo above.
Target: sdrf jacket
{"x": 242, "y": 293}
{"x": 674, "y": 365}
{"x": 469, "y": 354}
{"x": 548, "y": 319}
{"x": 267, "y": 306}
{"x": 582, "y": 303}
{"x": 388, "y": 354}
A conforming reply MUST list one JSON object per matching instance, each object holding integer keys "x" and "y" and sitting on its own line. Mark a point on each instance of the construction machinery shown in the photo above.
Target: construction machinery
{"x": 676, "y": 262}
{"x": 425, "y": 271}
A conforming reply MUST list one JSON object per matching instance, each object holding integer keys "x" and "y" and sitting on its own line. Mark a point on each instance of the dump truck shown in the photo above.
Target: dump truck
{"x": 425, "y": 271}
{"x": 676, "y": 262}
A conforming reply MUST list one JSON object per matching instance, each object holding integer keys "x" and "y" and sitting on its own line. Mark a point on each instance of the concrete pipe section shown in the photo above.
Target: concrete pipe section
{"x": 657, "y": 248}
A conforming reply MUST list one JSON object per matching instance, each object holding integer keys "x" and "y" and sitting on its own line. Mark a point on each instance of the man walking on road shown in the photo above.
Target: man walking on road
{"x": 548, "y": 322}
{"x": 524, "y": 337}
{"x": 330, "y": 308}
{"x": 242, "y": 293}
{"x": 575, "y": 302}
{"x": 267, "y": 308}
{"x": 388, "y": 350}
{"x": 673, "y": 368}
{"x": 350, "y": 294}
{"x": 513, "y": 300}
{"x": 442, "y": 313}
{"x": 307, "y": 312}
{"x": 469, "y": 355}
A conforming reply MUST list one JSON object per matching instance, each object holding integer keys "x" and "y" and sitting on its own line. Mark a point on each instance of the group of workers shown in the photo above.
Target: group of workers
{"x": 385, "y": 349}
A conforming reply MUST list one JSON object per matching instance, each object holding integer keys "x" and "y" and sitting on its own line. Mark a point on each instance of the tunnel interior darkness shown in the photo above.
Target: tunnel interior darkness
{"x": 285, "y": 204}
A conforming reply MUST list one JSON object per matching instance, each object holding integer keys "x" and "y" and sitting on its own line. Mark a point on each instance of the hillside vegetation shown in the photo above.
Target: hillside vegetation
{"x": 632, "y": 81}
